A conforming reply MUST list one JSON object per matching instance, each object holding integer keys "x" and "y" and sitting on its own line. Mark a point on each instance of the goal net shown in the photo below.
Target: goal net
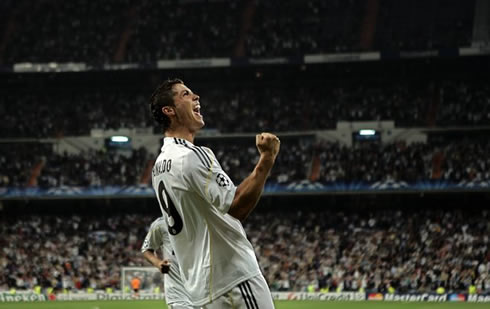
{"x": 151, "y": 279}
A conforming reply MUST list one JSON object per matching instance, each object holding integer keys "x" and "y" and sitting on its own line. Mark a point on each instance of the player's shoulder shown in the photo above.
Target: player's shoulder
{"x": 195, "y": 155}
{"x": 208, "y": 151}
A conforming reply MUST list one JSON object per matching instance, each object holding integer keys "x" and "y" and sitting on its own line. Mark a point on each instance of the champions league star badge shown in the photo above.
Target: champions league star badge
{"x": 222, "y": 180}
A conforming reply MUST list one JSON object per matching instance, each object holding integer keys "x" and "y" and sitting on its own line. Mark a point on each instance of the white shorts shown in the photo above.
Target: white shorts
{"x": 249, "y": 294}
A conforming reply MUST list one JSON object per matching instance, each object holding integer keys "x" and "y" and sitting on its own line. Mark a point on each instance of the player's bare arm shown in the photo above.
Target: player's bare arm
{"x": 249, "y": 191}
{"x": 162, "y": 265}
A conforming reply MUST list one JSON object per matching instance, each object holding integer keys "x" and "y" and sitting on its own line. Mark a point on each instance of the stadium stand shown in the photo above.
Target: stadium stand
{"x": 427, "y": 24}
{"x": 153, "y": 37}
{"x": 73, "y": 252}
{"x": 414, "y": 250}
{"x": 19, "y": 163}
{"x": 61, "y": 31}
{"x": 464, "y": 104}
{"x": 456, "y": 161}
{"x": 462, "y": 160}
{"x": 134, "y": 31}
{"x": 338, "y": 240}
{"x": 279, "y": 29}
{"x": 94, "y": 168}
{"x": 48, "y": 112}
{"x": 411, "y": 250}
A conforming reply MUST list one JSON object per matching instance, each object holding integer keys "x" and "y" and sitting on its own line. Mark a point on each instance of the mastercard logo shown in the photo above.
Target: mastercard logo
{"x": 375, "y": 296}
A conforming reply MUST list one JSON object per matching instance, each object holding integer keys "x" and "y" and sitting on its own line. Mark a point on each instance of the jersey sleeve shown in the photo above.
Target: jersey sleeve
{"x": 154, "y": 238}
{"x": 203, "y": 175}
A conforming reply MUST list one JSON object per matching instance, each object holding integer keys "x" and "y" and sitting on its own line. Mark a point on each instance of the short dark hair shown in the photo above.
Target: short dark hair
{"x": 163, "y": 96}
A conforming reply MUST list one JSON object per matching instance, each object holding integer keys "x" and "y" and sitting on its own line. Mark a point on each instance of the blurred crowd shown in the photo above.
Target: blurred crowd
{"x": 54, "y": 113}
{"x": 379, "y": 250}
{"x": 40, "y": 113}
{"x": 464, "y": 103}
{"x": 428, "y": 25}
{"x": 150, "y": 30}
{"x": 94, "y": 169}
{"x": 370, "y": 163}
{"x": 18, "y": 161}
{"x": 321, "y": 106}
{"x": 411, "y": 251}
{"x": 73, "y": 253}
{"x": 37, "y": 165}
{"x": 153, "y": 37}
{"x": 457, "y": 161}
{"x": 293, "y": 28}
{"x": 63, "y": 31}
{"x": 301, "y": 159}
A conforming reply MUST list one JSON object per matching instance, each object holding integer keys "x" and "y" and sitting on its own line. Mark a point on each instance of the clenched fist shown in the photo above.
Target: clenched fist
{"x": 268, "y": 144}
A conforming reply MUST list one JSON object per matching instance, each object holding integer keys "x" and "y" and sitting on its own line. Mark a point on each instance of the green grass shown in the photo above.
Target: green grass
{"x": 154, "y": 304}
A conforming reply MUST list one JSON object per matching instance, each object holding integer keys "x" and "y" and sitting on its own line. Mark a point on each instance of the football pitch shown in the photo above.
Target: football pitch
{"x": 303, "y": 304}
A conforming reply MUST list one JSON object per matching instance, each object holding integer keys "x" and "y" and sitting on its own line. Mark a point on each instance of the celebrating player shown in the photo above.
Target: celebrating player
{"x": 204, "y": 208}
{"x": 158, "y": 237}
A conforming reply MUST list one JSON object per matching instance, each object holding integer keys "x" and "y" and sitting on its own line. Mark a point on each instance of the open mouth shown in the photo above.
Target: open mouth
{"x": 197, "y": 110}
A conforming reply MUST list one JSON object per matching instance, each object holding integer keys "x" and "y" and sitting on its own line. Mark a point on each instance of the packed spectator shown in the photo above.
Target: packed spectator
{"x": 464, "y": 104}
{"x": 416, "y": 250}
{"x": 410, "y": 250}
{"x": 458, "y": 161}
{"x": 465, "y": 160}
{"x": 372, "y": 162}
{"x": 112, "y": 167}
{"x": 73, "y": 253}
{"x": 55, "y": 112}
{"x": 94, "y": 169}
{"x": 60, "y": 113}
{"x": 65, "y": 31}
{"x": 19, "y": 160}
{"x": 428, "y": 24}
{"x": 158, "y": 30}
{"x": 292, "y": 28}
{"x": 150, "y": 30}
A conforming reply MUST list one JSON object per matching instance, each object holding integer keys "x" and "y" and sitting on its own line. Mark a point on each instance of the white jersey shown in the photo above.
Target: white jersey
{"x": 156, "y": 238}
{"x": 211, "y": 247}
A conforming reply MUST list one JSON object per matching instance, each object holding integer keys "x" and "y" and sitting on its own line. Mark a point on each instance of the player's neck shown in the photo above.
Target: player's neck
{"x": 183, "y": 134}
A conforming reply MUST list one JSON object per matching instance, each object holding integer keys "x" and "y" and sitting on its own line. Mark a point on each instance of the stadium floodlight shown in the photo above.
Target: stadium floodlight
{"x": 119, "y": 139}
{"x": 367, "y": 132}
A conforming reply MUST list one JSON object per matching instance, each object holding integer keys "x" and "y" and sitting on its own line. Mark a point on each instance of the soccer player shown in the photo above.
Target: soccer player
{"x": 135, "y": 284}
{"x": 204, "y": 209}
{"x": 157, "y": 237}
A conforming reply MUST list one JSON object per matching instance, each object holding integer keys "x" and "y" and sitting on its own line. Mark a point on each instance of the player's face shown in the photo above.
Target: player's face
{"x": 187, "y": 108}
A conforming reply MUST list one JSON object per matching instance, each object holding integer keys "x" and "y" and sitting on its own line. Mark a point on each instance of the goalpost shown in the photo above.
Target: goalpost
{"x": 151, "y": 279}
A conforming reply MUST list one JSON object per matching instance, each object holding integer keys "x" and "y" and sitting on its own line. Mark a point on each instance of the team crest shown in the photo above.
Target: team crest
{"x": 222, "y": 180}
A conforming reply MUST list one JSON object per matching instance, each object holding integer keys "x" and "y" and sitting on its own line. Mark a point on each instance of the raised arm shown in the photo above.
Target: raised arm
{"x": 249, "y": 191}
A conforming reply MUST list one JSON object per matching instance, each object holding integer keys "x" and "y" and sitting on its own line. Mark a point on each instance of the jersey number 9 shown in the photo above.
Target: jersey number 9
{"x": 175, "y": 223}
